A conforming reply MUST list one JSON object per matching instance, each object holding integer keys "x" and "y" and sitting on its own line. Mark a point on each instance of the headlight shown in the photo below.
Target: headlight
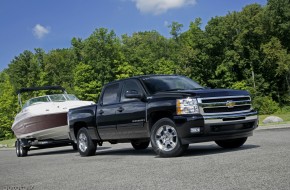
{"x": 186, "y": 106}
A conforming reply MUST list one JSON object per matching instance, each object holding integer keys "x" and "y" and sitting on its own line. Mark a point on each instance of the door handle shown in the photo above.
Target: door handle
{"x": 101, "y": 112}
{"x": 120, "y": 109}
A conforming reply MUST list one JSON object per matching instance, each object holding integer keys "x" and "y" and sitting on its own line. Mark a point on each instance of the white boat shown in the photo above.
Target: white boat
{"x": 45, "y": 117}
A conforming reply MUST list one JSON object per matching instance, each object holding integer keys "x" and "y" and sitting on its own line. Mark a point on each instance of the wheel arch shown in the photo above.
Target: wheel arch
{"x": 157, "y": 115}
{"x": 78, "y": 126}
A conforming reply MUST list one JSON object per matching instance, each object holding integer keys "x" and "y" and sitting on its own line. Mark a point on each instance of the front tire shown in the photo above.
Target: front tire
{"x": 165, "y": 140}
{"x": 137, "y": 145}
{"x": 86, "y": 146}
{"x": 231, "y": 143}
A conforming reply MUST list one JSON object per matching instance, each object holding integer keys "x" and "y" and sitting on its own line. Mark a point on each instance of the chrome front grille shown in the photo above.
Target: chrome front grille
{"x": 224, "y": 105}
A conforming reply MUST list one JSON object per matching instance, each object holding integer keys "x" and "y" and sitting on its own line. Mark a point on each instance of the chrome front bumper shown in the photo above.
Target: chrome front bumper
{"x": 230, "y": 118}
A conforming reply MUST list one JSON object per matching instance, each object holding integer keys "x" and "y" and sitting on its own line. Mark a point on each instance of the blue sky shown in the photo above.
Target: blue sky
{"x": 51, "y": 24}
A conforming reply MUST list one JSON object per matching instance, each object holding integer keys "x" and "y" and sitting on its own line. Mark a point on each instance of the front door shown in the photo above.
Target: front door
{"x": 131, "y": 113}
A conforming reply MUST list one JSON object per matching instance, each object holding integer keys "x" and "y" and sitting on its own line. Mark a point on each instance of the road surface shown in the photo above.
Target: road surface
{"x": 262, "y": 163}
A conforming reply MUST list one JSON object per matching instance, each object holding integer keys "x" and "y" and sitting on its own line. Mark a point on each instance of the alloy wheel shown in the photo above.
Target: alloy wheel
{"x": 166, "y": 138}
{"x": 83, "y": 142}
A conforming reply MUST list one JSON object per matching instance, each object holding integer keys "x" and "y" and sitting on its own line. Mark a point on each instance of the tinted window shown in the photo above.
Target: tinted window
{"x": 129, "y": 85}
{"x": 169, "y": 83}
{"x": 111, "y": 94}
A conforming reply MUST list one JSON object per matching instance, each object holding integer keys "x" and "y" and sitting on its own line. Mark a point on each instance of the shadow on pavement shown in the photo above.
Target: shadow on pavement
{"x": 200, "y": 150}
{"x": 50, "y": 151}
{"x": 193, "y": 150}
{"x": 126, "y": 151}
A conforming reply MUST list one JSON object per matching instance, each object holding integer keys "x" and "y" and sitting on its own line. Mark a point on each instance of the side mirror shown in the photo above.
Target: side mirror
{"x": 133, "y": 94}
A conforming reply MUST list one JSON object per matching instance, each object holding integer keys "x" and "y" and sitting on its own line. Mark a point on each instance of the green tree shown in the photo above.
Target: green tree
{"x": 277, "y": 20}
{"x": 57, "y": 68}
{"x": 143, "y": 50}
{"x": 24, "y": 70}
{"x": 100, "y": 56}
{"x": 277, "y": 69}
{"x": 175, "y": 29}
{"x": 191, "y": 58}
{"x": 8, "y": 102}
{"x": 86, "y": 86}
{"x": 234, "y": 48}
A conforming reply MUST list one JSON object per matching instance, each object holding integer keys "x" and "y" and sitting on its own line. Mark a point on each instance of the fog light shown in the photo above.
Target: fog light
{"x": 195, "y": 130}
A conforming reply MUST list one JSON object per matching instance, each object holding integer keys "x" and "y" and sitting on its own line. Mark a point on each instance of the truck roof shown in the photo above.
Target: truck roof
{"x": 141, "y": 76}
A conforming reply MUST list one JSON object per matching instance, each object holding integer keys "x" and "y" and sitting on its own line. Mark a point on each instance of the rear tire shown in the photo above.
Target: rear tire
{"x": 137, "y": 145}
{"x": 74, "y": 146}
{"x": 85, "y": 144}
{"x": 165, "y": 140}
{"x": 231, "y": 143}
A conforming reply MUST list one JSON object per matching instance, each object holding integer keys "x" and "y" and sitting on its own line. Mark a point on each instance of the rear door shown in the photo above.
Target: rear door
{"x": 106, "y": 113}
{"x": 131, "y": 112}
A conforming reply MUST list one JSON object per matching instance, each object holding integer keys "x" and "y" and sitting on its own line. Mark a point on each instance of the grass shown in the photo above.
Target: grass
{"x": 10, "y": 142}
{"x": 284, "y": 116}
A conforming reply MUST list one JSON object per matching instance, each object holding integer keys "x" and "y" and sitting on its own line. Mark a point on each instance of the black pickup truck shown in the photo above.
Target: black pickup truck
{"x": 170, "y": 111}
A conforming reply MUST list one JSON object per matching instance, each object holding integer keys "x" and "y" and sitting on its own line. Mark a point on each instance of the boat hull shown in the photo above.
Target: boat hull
{"x": 41, "y": 127}
{"x": 45, "y": 120}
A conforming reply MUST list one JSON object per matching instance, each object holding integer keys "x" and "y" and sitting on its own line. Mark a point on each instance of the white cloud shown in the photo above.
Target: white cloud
{"x": 161, "y": 6}
{"x": 40, "y": 31}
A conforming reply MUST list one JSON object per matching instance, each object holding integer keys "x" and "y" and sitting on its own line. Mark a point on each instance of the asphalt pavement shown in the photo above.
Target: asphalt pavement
{"x": 262, "y": 163}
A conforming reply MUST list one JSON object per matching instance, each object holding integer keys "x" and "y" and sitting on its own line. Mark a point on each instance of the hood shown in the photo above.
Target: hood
{"x": 203, "y": 93}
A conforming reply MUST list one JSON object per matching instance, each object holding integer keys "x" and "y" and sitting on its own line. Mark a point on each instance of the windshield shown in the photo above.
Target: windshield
{"x": 164, "y": 83}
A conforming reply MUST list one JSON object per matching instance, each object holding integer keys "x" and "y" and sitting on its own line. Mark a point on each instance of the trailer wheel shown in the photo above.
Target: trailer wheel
{"x": 17, "y": 148}
{"x": 20, "y": 150}
{"x": 165, "y": 140}
{"x": 86, "y": 146}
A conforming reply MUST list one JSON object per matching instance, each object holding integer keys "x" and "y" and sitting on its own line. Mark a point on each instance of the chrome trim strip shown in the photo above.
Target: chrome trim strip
{"x": 224, "y": 104}
{"x": 223, "y": 97}
{"x": 218, "y": 119}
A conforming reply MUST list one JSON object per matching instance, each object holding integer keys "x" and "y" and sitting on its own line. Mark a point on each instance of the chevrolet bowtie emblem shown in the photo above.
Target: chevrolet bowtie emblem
{"x": 230, "y": 104}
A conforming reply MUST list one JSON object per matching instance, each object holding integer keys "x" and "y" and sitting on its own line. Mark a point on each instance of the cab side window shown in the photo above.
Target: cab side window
{"x": 110, "y": 95}
{"x": 129, "y": 85}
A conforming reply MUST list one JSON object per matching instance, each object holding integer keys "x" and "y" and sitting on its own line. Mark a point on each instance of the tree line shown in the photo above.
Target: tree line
{"x": 243, "y": 50}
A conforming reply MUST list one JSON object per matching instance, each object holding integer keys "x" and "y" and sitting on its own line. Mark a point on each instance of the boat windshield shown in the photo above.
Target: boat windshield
{"x": 62, "y": 97}
{"x": 50, "y": 98}
{"x": 36, "y": 101}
